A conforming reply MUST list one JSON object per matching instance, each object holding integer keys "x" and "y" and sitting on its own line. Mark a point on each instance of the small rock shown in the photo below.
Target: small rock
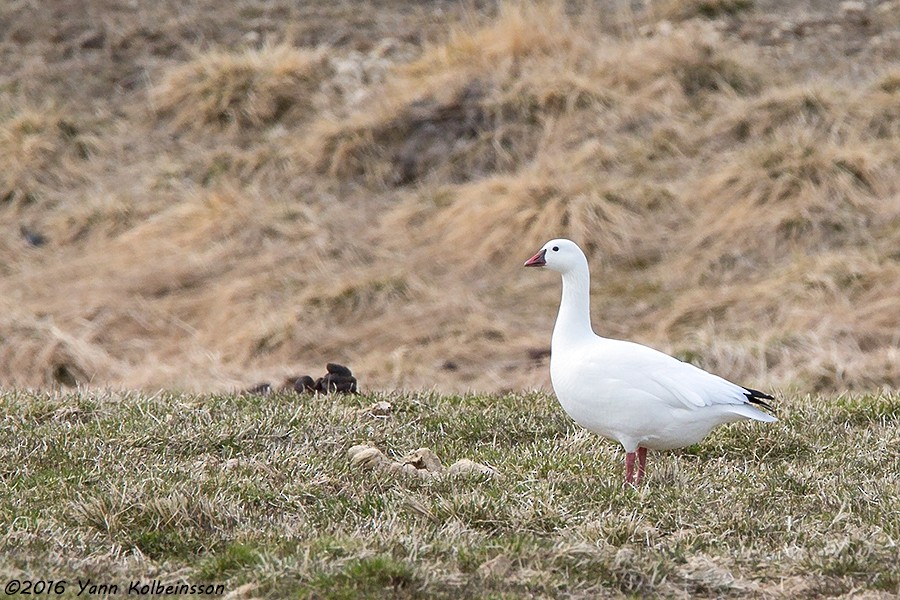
{"x": 788, "y": 26}
{"x": 705, "y": 571}
{"x": 423, "y": 463}
{"x": 424, "y": 458}
{"x": 354, "y": 450}
{"x": 464, "y": 466}
{"x": 409, "y": 469}
{"x": 241, "y": 591}
{"x": 366, "y": 457}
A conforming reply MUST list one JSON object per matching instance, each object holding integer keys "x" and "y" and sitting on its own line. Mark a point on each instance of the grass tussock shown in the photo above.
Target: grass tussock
{"x": 482, "y": 102}
{"x": 40, "y": 150}
{"x": 40, "y": 354}
{"x": 708, "y": 9}
{"x": 460, "y": 110}
{"x": 250, "y": 88}
{"x": 259, "y": 495}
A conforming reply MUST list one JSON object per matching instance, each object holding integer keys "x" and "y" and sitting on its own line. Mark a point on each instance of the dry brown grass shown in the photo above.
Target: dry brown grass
{"x": 40, "y": 148}
{"x": 251, "y": 210}
{"x": 250, "y": 88}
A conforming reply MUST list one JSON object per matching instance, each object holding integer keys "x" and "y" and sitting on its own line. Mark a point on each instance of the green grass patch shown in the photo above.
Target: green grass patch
{"x": 259, "y": 492}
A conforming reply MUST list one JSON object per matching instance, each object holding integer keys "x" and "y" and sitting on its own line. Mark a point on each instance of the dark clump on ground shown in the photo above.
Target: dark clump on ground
{"x": 337, "y": 378}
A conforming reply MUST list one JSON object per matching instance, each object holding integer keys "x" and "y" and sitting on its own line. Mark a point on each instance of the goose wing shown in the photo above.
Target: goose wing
{"x": 676, "y": 384}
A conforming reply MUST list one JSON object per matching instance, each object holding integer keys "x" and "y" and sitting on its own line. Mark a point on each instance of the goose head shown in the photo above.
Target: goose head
{"x": 560, "y": 255}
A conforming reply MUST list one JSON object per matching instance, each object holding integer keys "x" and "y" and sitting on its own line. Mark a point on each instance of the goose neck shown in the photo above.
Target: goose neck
{"x": 574, "y": 318}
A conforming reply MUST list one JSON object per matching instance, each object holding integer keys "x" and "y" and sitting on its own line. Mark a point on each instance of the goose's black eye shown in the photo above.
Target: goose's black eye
{"x": 556, "y": 248}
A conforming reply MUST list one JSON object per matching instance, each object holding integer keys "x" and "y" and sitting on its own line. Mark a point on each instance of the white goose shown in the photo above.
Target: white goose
{"x": 627, "y": 392}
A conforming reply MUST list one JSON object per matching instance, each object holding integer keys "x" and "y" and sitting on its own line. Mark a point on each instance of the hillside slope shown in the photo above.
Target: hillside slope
{"x": 197, "y": 198}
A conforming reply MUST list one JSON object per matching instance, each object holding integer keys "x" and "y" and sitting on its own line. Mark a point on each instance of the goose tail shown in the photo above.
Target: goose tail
{"x": 755, "y": 399}
{"x": 758, "y": 397}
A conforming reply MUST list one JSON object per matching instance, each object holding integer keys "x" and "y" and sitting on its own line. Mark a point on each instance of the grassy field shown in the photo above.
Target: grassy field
{"x": 258, "y": 494}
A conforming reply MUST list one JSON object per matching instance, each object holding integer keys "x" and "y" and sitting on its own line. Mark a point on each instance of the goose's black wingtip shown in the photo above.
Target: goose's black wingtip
{"x": 758, "y": 397}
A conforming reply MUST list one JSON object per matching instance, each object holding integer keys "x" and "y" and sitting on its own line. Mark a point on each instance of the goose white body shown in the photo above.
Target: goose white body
{"x": 638, "y": 396}
{"x": 627, "y": 392}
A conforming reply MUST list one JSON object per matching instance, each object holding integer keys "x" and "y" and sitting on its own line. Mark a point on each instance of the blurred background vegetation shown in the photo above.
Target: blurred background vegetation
{"x": 196, "y": 196}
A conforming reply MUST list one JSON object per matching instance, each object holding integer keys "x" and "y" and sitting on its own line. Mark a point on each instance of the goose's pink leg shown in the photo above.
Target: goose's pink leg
{"x": 629, "y": 468}
{"x": 642, "y": 464}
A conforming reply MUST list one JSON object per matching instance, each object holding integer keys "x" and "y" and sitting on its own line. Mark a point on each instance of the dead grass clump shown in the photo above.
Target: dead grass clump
{"x": 470, "y": 129}
{"x": 849, "y": 344}
{"x": 890, "y": 83}
{"x": 710, "y": 9}
{"x": 40, "y": 151}
{"x": 795, "y": 189}
{"x": 520, "y": 30}
{"x": 868, "y": 115}
{"x": 489, "y": 99}
{"x": 477, "y": 225}
{"x": 350, "y": 295}
{"x": 448, "y": 137}
{"x": 879, "y": 113}
{"x": 469, "y": 107}
{"x": 152, "y": 519}
{"x": 693, "y": 56}
{"x": 252, "y": 88}
{"x": 801, "y": 171}
{"x": 337, "y": 314}
{"x": 38, "y": 354}
{"x": 810, "y": 108}
{"x": 851, "y": 371}
{"x": 708, "y": 72}
{"x": 226, "y": 164}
